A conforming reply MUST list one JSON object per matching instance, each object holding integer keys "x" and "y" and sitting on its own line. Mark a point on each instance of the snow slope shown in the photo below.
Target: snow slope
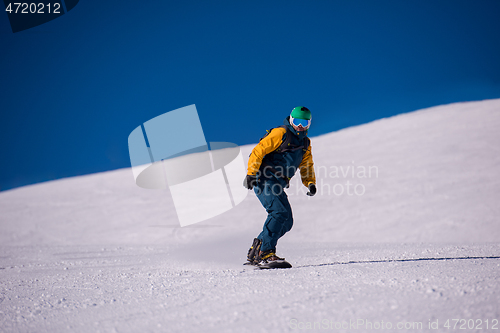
{"x": 410, "y": 236}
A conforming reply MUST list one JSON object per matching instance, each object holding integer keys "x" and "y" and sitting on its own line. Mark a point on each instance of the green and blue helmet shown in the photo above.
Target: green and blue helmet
{"x": 301, "y": 116}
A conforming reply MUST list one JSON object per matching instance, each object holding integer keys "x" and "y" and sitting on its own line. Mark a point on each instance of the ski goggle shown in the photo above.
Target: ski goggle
{"x": 297, "y": 121}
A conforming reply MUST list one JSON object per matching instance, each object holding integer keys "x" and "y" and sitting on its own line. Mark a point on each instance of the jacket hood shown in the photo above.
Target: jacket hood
{"x": 301, "y": 135}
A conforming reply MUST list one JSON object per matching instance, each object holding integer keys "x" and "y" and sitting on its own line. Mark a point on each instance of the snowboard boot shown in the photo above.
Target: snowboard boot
{"x": 269, "y": 260}
{"x": 254, "y": 250}
{"x": 266, "y": 257}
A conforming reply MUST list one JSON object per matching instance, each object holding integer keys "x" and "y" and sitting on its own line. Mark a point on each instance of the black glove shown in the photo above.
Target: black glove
{"x": 312, "y": 190}
{"x": 250, "y": 181}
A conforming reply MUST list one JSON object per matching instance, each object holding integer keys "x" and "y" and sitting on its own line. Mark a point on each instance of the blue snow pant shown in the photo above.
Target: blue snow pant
{"x": 279, "y": 219}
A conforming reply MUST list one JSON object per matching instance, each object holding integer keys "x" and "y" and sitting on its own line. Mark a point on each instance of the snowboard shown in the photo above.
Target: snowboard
{"x": 271, "y": 264}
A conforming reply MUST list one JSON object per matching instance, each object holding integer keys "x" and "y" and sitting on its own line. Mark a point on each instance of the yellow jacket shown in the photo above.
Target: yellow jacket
{"x": 272, "y": 142}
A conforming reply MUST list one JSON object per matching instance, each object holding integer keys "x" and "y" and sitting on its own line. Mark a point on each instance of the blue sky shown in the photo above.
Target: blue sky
{"x": 74, "y": 88}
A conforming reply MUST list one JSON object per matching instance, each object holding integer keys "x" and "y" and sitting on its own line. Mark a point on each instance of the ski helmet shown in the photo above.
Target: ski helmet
{"x": 301, "y": 112}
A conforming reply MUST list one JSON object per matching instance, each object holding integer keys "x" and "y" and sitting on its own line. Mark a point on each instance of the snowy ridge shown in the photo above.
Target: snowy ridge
{"x": 404, "y": 228}
{"x": 434, "y": 177}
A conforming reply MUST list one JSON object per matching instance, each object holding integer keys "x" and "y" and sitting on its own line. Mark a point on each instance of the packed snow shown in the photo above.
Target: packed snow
{"x": 403, "y": 235}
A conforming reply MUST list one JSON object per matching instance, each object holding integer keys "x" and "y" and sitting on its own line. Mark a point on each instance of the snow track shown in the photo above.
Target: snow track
{"x": 127, "y": 289}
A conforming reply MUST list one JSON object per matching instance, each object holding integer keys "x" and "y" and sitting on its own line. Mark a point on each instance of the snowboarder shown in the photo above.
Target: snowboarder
{"x": 271, "y": 165}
